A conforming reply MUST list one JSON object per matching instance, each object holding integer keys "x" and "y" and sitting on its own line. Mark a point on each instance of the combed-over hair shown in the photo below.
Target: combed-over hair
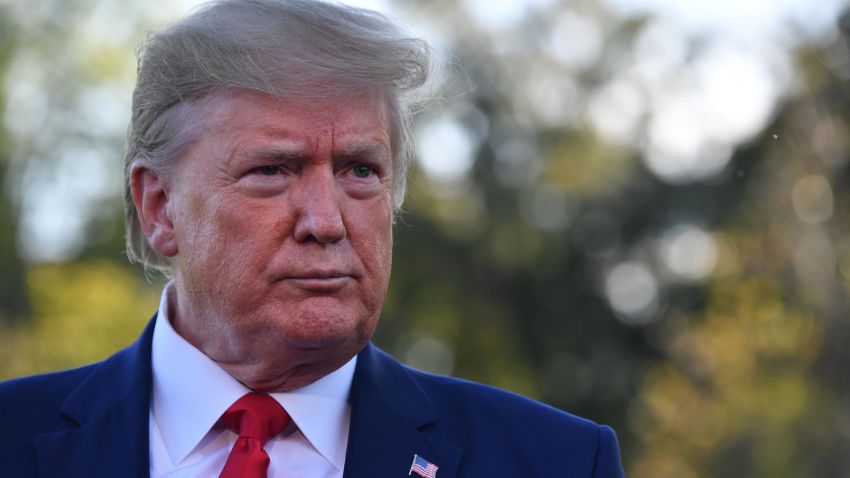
{"x": 285, "y": 48}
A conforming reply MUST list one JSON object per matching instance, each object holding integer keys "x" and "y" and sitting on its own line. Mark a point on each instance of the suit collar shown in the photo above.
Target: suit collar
{"x": 390, "y": 420}
{"x": 111, "y": 407}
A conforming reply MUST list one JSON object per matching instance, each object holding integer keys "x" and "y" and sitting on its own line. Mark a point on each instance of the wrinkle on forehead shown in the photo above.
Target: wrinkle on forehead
{"x": 217, "y": 111}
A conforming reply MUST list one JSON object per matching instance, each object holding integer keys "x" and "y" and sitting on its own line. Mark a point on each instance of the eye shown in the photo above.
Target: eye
{"x": 363, "y": 171}
{"x": 268, "y": 170}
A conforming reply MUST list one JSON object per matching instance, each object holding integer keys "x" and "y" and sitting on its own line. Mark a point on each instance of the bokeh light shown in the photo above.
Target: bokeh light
{"x": 632, "y": 291}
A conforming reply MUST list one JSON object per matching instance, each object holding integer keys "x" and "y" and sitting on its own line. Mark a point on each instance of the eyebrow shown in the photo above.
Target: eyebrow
{"x": 278, "y": 154}
{"x": 285, "y": 152}
{"x": 359, "y": 149}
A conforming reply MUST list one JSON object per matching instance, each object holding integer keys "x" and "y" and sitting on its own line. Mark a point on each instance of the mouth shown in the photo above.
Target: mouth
{"x": 319, "y": 280}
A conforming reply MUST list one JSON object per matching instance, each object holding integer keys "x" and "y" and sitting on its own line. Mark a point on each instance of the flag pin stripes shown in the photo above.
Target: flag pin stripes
{"x": 423, "y": 467}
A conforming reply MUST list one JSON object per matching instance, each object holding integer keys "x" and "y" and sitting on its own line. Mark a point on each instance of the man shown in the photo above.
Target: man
{"x": 266, "y": 159}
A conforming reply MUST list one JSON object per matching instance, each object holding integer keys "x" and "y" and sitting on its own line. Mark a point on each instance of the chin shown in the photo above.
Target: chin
{"x": 330, "y": 338}
{"x": 322, "y": 326}
{"x": 326, "y": 333}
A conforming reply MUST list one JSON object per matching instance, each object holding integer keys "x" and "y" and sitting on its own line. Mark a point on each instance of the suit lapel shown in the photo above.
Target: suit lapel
{"x": 390, "y": 418}
{"x": 111, "y": 408}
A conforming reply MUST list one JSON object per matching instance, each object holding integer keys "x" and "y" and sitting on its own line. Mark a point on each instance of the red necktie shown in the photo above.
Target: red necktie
{"x": 256, "y": 418}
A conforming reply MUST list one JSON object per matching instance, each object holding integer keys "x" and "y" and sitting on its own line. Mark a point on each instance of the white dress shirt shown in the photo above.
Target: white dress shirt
{"x": 190, "y": 392}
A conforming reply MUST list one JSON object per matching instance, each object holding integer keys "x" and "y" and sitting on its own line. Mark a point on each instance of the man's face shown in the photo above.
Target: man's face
{"x": 282, "y": 219}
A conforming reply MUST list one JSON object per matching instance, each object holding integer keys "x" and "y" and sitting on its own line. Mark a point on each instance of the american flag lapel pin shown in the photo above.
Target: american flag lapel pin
{"x": 423, "y": 467}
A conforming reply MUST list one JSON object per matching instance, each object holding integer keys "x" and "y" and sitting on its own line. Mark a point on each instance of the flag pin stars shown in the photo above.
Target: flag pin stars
{"x": 423, "y": 467}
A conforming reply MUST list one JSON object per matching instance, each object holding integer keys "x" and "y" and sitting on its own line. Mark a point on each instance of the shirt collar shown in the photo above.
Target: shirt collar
{"x": 191, "y": 391}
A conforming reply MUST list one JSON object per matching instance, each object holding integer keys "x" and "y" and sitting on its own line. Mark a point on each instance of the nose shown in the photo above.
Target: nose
{"x": 320, "y": 215}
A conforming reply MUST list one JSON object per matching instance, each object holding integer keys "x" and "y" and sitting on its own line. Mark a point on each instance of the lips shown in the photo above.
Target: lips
{"x": 319, "y": 280}
{"x": 320, "y": 274}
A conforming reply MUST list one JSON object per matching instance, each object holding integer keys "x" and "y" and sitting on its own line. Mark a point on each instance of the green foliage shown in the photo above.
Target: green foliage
{"x": 12, "y": 295}
{"x": 82, "y": 312}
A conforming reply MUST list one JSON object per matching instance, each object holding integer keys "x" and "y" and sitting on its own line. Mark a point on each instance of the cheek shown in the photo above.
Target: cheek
{"x": 386, "y": 252}
{"x": 211, "y": 235}
{"x": 378, "y": 247}
{"x": 197, "y": 225}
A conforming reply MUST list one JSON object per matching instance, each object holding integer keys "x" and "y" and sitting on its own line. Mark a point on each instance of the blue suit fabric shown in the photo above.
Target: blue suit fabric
{"x": 92, "y": 422}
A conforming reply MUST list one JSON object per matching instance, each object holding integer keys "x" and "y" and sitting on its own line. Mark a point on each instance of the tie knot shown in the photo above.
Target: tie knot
{"x": 257, "y": 416}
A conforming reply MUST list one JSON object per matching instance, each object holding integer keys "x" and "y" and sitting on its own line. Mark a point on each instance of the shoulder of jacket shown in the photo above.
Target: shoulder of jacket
{"x": 38, "y": 387}
{"x": 477, "y": 399}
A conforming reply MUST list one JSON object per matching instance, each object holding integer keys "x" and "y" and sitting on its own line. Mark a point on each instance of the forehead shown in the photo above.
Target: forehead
{"x": 249, "y": 116}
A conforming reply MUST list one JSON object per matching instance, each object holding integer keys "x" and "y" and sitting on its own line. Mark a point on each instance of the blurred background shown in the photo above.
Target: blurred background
{"x": 634, "y": 210}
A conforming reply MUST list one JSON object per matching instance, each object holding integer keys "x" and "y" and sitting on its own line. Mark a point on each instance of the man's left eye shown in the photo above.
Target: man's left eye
{"x": 362, "y": 171}
{"x": 268, "y": 170}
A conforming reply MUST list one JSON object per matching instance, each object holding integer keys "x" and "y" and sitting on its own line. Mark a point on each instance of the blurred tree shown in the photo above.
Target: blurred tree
{"x": 82, "y": 312}
{"x": 13, "y": 305}
{"x": 59, "y": 68}
{"x": 754, "y": 383}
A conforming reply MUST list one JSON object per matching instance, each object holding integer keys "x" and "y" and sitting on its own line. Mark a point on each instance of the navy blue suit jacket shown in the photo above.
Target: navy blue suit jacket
{"x": 92, "y": 422}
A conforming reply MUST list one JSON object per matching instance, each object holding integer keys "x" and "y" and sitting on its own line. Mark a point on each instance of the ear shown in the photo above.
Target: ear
{"x": 150, "y": 196}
